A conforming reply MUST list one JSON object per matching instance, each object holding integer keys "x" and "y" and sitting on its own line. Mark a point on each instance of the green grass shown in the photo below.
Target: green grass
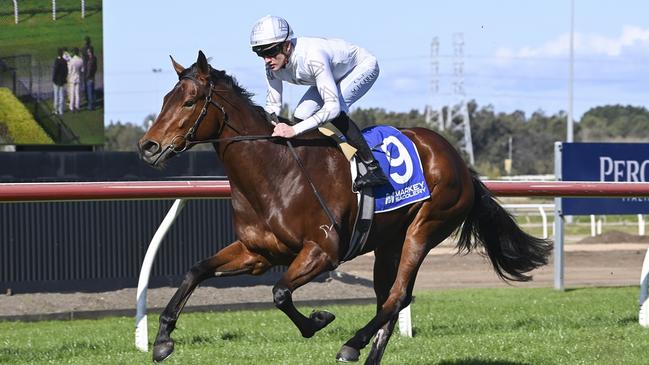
{"x": 18, "y": 122}
{"x": 87, "y": 124}
{"x": 40, "y": 36}
{"x": 473, "y": 326}
{"x": 37, "y": 34}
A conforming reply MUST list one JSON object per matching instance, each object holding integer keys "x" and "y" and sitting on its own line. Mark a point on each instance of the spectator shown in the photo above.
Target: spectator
{"x": 66, "y": 54}
{"x": 84, "y": 55}
{"x": 75, "y": 68}
{"x": 59, "y": 76}
{"x": 90, "y": 70}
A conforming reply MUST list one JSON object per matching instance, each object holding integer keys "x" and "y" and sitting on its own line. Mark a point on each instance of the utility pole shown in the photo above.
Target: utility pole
{"x": 435, "y": 111}
{"x": 457, "y": 117}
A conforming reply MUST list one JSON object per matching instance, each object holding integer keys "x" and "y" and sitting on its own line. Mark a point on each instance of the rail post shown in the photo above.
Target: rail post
{"x": 141, "y": 323}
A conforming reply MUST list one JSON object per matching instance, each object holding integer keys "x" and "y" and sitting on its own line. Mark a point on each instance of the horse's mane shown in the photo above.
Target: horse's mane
{"x": 218, "y": 76}
{"x": 222, "y": 78}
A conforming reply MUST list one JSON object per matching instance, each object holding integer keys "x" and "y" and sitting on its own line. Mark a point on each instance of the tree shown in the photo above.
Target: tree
{"x": 122, "y": 137}
{"x": 615, "y": 123}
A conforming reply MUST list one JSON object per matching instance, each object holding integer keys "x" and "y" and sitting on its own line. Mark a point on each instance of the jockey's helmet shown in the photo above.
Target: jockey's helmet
{"x": 268, "y": 31}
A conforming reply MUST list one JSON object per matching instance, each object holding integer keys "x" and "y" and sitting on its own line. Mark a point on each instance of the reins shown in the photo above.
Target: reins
{"x": 190, "y": 141}
{"x": 315, "y": 190}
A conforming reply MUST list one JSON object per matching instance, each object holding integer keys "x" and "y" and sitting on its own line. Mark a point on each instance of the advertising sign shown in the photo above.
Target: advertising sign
{"x": 625, "y": 162}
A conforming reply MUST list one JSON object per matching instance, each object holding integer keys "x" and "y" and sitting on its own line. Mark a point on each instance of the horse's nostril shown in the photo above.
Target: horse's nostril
{"x": 150, "y": 147}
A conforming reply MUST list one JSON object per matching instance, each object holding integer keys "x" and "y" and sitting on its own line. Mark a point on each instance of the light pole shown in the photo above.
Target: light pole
{"x": 570, "y": 133}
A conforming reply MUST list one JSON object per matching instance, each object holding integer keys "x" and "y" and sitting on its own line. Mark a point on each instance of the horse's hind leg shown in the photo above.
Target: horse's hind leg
{"x": 381, "y": 342}
{"x": 309, "y": 263}
{"x": 232, "y": 260}
{"x": 383, "y": 335}
{"x": 386, "y": 264}
{"x": 422, "y": 235}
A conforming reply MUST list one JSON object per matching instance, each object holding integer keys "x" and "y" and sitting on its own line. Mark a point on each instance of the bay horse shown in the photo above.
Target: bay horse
{"x": 278, "y": 219}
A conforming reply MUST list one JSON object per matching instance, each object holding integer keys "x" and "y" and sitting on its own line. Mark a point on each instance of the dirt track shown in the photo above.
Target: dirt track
{"x": 610, "y": 264}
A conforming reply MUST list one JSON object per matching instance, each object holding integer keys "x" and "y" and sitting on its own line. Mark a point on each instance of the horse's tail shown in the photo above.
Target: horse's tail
{"x": 512, "y": 252}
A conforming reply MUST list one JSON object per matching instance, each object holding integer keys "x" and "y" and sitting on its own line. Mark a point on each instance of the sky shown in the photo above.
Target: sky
{"x": 515, "y": 54}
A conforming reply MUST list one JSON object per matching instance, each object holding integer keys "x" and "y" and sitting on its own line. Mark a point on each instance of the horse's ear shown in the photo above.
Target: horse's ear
{"x": 177, "y": 66}
{"x": 201, "y": 62}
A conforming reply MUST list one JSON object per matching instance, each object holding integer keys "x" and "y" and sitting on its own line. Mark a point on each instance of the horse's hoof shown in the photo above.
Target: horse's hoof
{"x": 348, "y": 354}
{"x": 163, "y": 350}
{"x": 321, "y": 319}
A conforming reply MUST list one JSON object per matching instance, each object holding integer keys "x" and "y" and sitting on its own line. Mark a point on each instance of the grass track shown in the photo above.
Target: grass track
{"x": 452, "y": 327}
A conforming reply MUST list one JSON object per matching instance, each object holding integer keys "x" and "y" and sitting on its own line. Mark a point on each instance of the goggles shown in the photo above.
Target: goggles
{"x": 271, "y": 51}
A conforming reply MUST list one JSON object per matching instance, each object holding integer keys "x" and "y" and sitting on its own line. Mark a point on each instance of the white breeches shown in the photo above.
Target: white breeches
{"x": 351, "y": 88}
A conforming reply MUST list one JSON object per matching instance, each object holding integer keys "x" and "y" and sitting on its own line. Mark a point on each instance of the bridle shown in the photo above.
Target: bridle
{"x": 191, "y": 133}
{"x": 189, "y": 137}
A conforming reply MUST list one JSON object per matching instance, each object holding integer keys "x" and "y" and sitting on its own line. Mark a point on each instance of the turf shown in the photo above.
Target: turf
{"x": 39, "y": 35}
{"x": 470, "y": 326}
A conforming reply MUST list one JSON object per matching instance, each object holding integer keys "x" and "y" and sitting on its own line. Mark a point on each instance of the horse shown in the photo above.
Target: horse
{"x": 280, "y": 220}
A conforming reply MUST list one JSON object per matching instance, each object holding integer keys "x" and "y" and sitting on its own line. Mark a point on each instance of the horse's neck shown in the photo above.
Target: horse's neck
{"x": 264, "y": 171}
{"x": 251, "y": 160}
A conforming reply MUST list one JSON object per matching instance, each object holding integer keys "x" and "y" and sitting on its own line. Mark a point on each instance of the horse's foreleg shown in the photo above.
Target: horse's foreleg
{"x": 232, "y": 260}
{"x": 309, "y": 263}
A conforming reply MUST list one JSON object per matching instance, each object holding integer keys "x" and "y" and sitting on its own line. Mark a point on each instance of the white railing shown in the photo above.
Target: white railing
{"x": 534, "y": 207}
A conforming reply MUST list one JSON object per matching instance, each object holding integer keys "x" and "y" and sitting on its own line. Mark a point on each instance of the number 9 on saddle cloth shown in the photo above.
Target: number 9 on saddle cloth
{"x": 400, "y": 162}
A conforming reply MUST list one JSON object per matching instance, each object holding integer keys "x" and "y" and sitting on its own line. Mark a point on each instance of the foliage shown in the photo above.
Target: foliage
{"x": 468, "y": 326}
{"x": 532, "y": 137}
{"x": 18, "y": 124}
{"x": 615, "y": 123}
{"x": 125, "y": 136}
{"x": 375, "y": 116}
{"x": 122, "y": 136}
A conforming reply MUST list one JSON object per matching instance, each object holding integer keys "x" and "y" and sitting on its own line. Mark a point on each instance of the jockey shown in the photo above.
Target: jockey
{"x": 338, "y": 72}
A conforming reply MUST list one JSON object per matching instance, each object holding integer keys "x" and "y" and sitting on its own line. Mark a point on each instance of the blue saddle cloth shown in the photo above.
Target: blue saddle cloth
{"x": 400, "y": 161}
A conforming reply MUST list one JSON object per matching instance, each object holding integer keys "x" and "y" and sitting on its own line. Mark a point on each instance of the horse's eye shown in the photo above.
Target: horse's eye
{"x": 189, "y": 103}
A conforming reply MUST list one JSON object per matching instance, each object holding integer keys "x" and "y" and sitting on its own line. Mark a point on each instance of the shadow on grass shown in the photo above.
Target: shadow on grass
{"x": 209, "y": 340}
{"x": 582, "y": 288}
{"x": 480, "y": 362}
{"x": 628, "y": 320}
{"x": 62, "y": 14}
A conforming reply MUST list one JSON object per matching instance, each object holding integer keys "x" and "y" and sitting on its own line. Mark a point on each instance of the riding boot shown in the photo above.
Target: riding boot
{"x": 374, "y": 175}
